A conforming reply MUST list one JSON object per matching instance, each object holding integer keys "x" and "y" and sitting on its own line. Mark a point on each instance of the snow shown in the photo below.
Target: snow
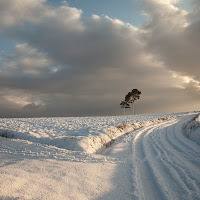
{"x": 192, "y": 129}
{"x": 79, "y": 134}
{"x": 128, "y": 157}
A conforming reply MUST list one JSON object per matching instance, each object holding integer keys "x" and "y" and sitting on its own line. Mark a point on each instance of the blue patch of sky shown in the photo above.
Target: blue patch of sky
{"x": 128, "y": 11}
{"x": 6, "y": 45}
{"x": 9, "y": 43}
{"x": 185, "y": 5}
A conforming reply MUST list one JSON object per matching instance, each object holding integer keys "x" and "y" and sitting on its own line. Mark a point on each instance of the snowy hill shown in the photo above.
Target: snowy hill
{"x": 153, "y": 156}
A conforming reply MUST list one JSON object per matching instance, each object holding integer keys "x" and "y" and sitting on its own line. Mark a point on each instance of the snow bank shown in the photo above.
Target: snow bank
{"x": 87, "y": 134}
{"x": 192, "y": 129}
{"x": 112, "y": 133}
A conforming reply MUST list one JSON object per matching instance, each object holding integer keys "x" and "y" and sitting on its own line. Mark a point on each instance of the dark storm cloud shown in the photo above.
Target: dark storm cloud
{"x": 69, "y": 65}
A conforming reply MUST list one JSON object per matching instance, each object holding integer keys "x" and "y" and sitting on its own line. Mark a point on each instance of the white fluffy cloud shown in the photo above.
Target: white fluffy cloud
{"x": 70, "y": 65}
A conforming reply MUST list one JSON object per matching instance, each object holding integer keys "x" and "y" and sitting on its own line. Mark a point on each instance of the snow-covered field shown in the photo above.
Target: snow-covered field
{"x": 75, "y": 133}
{"x": 154, "y": 156}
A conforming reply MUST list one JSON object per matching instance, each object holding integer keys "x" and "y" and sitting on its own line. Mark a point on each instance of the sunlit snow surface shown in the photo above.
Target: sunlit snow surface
{"x": 73, "y": 133}
{"x": 139, "y": 157}
{"x": 71, "y": 126}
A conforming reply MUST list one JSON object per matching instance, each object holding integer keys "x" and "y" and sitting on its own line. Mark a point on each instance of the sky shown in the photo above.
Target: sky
{"x": 81, "y": 57}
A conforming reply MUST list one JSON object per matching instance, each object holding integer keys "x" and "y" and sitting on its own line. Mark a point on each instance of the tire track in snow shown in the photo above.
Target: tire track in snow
{"x": 187, "y": 169}
{"x": 189, "y": 157}
{"x": 188, "y": 149}
{"x": 164, "y": 170}
{"x": 147, "y": 186}
{"x": 172, "y": 169}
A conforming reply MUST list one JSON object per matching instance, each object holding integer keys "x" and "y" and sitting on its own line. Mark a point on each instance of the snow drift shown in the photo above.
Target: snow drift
{"x": 192, "y": 129}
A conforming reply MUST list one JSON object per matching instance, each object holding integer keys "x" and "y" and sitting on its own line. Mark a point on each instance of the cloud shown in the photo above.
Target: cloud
{"x": 65, "y": 3}
{"x": 31, "y": 107}
{"x": 173, "y": 35}
{"x": 14, "y": 13}
{"x": 65, "y": 64}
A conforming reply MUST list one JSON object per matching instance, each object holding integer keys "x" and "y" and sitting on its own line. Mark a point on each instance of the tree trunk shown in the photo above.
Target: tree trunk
{"x": 133, "y": 109}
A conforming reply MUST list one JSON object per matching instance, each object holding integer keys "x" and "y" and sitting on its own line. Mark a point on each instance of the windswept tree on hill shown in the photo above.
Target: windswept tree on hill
{"x": 130, "y": 98}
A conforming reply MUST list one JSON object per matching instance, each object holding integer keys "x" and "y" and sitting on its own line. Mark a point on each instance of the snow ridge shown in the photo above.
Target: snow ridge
{"x": 192, "y": 129}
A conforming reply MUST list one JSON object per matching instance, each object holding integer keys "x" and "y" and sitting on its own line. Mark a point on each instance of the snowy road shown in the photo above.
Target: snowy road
{"x": 162, "y": 162}
{"x": 156, "y": 162}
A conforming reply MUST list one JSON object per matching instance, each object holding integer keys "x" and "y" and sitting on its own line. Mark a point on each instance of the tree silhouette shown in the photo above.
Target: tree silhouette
{"x": 130, "y": 98}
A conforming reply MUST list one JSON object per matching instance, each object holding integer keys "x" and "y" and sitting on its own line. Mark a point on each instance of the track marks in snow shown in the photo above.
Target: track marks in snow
{"x": 165, "y": 163}
{"x": 147, "y": 186}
